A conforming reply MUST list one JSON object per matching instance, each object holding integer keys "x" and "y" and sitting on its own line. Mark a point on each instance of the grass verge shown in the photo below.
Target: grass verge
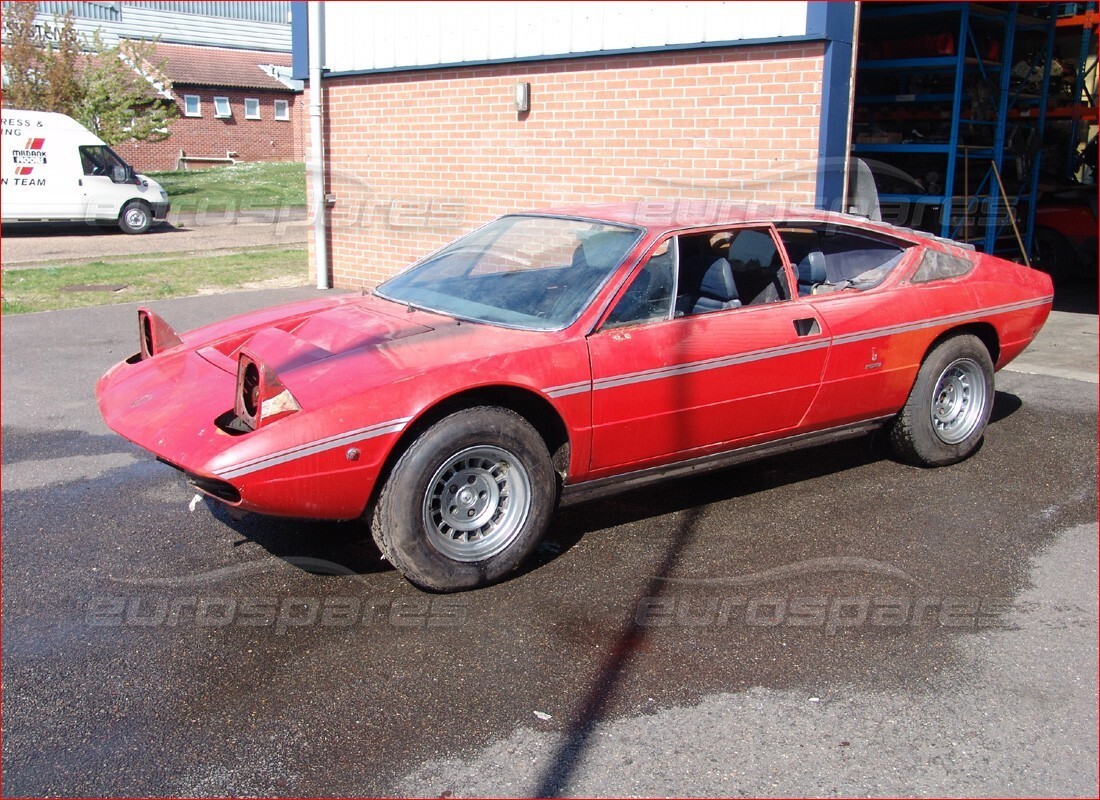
{"x": 149, "y": 278}
{"x": 237, "y": 187}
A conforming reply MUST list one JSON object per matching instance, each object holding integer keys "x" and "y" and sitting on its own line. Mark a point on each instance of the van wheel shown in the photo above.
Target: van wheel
{"x": 136, "y": 217}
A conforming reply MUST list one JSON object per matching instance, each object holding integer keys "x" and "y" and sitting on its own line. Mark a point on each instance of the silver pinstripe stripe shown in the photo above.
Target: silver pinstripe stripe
{"x": 755, "y": 355}
{"x": 889, "y": 330}
{"x": 310, "y": 448}
{"x": 708, "y": 364}
{"x": 568, "y": 389}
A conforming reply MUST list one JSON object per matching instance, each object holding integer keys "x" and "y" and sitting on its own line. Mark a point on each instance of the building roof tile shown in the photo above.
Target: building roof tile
{"x": 192, "y": 65}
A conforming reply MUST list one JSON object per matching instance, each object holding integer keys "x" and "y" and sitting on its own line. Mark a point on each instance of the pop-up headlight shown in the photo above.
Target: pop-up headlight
{"x": 261, "y": 397}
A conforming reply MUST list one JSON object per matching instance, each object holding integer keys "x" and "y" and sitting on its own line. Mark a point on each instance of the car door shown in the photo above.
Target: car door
{"x": 674, "y": 380}
{"x": 877, "y": 327}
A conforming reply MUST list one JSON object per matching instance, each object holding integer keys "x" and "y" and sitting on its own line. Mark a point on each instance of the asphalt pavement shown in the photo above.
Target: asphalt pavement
{"x": 826, "y": 623}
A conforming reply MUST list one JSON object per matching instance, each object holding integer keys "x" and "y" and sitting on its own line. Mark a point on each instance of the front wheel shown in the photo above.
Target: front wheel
{"x": 467, "y": 502}
{"x": 944, "y": 419}
{"x": 136, "y": 217}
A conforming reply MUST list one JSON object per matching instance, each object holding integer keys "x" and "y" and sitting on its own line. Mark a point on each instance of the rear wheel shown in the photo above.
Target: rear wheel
{"x": 467, "y": 502}
{"x": 136, "y": 217}
{"x": 1054, "y": 255}
{"x": 944, "y": 419}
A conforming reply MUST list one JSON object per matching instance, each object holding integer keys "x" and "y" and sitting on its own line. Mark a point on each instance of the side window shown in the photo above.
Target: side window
{"x": 649, "y": 296}
{"x": 192, "y": 105}
{"x": 828, "y": 258}
{"x": 729, "y": 269}
{"x": 758, "y": 268}
{"x": 93, "y": 160}
{"x": 100, "y": 160}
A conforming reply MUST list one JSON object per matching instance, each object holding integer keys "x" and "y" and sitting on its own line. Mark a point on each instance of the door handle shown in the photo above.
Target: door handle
{"x": 807, "y": 327}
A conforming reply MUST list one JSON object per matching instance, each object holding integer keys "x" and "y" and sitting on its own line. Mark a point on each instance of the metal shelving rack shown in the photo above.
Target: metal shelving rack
{"x": 986, "y": 38}
{"x": 1083, "y": 100}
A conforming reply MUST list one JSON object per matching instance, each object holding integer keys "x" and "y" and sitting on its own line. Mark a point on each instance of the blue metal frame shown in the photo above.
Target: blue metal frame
{"x": 836, "y": 24}
{"x": 992, "y": 229}
{"x": 299, "y": 39}
{"x": 1079, "y": 88}
{"x": 968, "y": 59}
{"x": 1037, "y": 163}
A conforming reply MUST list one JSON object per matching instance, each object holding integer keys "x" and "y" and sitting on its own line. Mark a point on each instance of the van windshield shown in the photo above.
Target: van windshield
{"x": 102, "y": 160}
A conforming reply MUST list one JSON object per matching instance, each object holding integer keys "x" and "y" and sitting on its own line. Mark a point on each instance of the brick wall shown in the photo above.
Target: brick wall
{"x": 264, "y": 139}
{"x": 416, "y": 159}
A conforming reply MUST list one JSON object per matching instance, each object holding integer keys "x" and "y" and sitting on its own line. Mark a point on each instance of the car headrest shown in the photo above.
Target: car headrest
{"x": 811, "y": 269}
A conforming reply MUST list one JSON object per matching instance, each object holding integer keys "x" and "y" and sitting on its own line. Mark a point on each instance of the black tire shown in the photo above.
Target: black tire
{"x": 136, "y": 217}
{"x": 494, "y": 470}
{"x": 944, "y": 419}
{"x": 1054, "y": 255}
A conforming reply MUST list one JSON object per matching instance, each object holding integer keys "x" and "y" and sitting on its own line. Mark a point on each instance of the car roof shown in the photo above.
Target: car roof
{"x": 691, "y": 212}
{"x": 658, "y": 216}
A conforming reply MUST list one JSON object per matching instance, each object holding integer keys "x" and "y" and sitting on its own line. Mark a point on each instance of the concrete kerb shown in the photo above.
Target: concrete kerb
{"x": 1066, "y": 347}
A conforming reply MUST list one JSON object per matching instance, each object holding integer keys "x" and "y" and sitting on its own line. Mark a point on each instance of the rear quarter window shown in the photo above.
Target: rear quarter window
{"x": 936, "y": 265}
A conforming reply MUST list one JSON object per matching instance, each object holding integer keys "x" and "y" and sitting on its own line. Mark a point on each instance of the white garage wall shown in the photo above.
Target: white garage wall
{"x": 385, "y": 35}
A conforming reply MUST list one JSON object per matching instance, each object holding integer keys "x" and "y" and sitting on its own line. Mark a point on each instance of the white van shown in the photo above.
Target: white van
{"x": 55, "y": 169}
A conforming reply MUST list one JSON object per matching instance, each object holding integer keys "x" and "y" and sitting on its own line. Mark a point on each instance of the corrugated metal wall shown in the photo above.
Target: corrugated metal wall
{"x": 257, "y": 11}
{"x": 383, "y": 35}
{"x": 258, "y": 26}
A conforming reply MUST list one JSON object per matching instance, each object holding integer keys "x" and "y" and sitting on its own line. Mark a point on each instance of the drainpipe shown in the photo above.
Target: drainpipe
{"x": 316, "y": 146}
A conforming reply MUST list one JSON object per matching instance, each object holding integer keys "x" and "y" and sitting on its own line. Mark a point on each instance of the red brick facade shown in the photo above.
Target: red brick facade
{"x": 264, "y": 139}
{"x": 417, "y": 158}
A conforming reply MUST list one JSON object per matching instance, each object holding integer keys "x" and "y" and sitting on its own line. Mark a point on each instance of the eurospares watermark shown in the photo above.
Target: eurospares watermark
{"x": 725, "y": 601}
{"x": 194, "y": 600}
{"x": 283, "y": 615}
{"x": 831, "y": 614}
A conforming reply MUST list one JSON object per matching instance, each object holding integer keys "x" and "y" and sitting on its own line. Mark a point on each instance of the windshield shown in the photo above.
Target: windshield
{"x": 528, "y": 272}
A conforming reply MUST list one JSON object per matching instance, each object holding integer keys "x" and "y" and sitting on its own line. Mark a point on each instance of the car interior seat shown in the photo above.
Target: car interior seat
{"x": 718, "y": 291}
{"x": 811, "y": 272}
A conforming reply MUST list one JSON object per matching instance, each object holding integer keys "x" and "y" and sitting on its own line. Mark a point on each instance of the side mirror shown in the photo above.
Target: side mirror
{"x": 119, "y": 174}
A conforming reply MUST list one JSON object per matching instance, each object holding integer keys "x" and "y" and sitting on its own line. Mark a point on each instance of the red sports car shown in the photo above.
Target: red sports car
{"x": 555, "y": 356}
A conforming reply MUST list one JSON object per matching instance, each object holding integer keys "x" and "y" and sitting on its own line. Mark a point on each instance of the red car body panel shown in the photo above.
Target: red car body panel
{"x": 365, "y": 370}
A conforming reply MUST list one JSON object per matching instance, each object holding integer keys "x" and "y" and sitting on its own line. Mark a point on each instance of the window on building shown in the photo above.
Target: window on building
{"x": 192, "y": 105}
{"x": 282, "y": 109}
{"x": 221, "y": 107}
{"x": 251, "y": 108}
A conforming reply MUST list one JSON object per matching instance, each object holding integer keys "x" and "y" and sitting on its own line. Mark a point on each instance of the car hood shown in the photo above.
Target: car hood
{"x": 301, "y": 337}
{"x": 356, "y": 343}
